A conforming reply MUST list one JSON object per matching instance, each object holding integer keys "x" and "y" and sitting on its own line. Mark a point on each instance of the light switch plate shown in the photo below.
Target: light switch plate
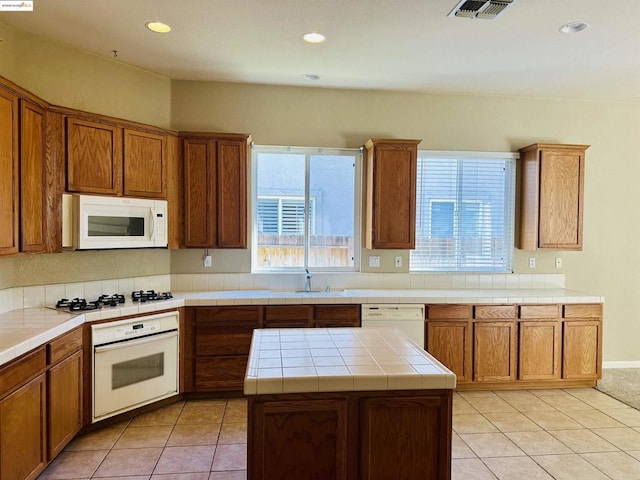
{"x": 398, "y": 261}
{"x": 374, "y": 261}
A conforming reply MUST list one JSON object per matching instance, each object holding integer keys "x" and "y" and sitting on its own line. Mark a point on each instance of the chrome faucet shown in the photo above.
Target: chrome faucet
{"x": 307, "y": 280}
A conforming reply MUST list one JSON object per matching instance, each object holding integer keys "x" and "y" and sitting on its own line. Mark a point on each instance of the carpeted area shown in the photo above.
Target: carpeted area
{"x": 622, "y": 384}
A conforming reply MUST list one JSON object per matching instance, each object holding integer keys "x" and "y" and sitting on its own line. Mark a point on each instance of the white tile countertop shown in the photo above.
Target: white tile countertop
{"x": 305, "y": 360}
{"x": 24, "y": 329}
{"x": 495, "y": 296}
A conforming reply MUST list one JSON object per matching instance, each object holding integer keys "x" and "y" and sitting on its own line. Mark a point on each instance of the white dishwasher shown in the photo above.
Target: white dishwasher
{"x": 406, "y": 317}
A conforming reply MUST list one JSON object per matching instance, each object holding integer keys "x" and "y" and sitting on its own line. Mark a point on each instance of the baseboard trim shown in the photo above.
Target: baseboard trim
{"x": 635, "y": 364}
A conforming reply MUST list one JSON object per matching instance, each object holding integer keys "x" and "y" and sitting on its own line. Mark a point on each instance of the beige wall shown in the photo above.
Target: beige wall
{"x": 74, "y": 78}
{"x": 346, "y": 118}
{"x": 78, "y": 79}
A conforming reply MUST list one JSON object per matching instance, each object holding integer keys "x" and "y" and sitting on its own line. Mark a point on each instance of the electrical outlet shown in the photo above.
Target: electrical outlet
{"x": 374, "y": 261}
{"x": 398, "y": 262}
{"x": 558, "y": 262}
{"x": 207, "y": 261}
{"x": 532, "y": 262}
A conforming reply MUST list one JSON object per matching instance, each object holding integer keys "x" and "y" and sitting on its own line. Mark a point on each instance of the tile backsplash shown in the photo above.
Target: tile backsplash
{"x": 369, "y": 281}
{"x": 47, "y": 295}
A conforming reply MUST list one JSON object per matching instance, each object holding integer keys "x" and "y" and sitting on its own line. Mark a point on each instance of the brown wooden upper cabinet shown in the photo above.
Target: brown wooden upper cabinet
{"x": 99, "y": 161}
{"x": 23, "y": 184}
{"x": 390, "y": 199}
{"x": 215, "y": 190}
{"x": 551, "y": 201}
{"x": 94, "y": 157}
{"x": 145, "y": 164}
{"x": 33, "y": 185}
{"x": 9, "y": 201}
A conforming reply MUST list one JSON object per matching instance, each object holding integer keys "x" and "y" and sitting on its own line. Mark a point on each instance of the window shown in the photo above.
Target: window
{"x": 306, "y": 208}
{"x": 284, "y": 215}
{"x": 464, "y": 212}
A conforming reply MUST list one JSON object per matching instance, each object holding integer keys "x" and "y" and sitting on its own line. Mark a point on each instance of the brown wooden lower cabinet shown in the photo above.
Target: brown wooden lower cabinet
{"x": 450, "y": 342}
{"x": 494, "y": 351}
{"x": 539, "y": 350}
{"x": 350, "y": 435}
{"x": 64, "y": 409}
{"x": 582, "y": 346}
{"x": 216, "y": 343}
{"x": 23, "y": 431}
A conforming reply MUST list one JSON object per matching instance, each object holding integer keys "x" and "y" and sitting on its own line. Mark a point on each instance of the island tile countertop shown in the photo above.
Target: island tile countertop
{"x": 304, "y": 360}
{"x": 22, "y": 330}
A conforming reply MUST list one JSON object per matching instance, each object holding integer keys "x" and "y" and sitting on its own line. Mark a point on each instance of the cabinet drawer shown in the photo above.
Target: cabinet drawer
{"x": 18, "y": 372}
{"x": 220, "y": 373}
{"x": 492, "y": 312}
{"x": 448, "y": 312}
{"x": 337, "y": 322}
{"x": 284, "y": 316}
{"x": 539, "y": 311}
{"x": 583, "y": 311}
{"x": 338, "y": 312}
{"x": 228, "y": 315}
{"x": 64, "y": 346}
{"x": 213, "y": 343}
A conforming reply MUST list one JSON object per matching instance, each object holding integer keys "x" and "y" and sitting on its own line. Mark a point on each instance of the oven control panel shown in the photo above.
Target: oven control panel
{"x": 136, "y": 329}
{"x": 122, "y": 330}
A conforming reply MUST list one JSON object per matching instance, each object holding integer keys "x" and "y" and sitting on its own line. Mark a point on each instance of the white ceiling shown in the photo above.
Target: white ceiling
{"x": 373, "y": 44}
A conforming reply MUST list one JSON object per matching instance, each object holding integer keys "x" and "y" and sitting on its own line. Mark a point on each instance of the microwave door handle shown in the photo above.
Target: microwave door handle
{"x": 153, "y": 222}
{"x": 133, "y": 343}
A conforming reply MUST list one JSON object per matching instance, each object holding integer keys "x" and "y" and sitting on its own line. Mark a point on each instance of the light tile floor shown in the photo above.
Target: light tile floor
{"x": 571, "y": 434}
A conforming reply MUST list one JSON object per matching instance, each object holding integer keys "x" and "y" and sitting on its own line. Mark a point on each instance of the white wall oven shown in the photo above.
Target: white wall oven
{"x": 135, "y": 362}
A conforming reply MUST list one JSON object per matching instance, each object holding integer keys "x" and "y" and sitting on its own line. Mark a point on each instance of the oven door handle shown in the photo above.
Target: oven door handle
{"x": 133, "y": 343}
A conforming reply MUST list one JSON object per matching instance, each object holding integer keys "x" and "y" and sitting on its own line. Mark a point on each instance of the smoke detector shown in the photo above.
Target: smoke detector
{"x": 486, "y": 9}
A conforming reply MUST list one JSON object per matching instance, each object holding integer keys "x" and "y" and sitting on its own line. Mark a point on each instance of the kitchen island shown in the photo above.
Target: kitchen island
{"x": 346, "y": 403}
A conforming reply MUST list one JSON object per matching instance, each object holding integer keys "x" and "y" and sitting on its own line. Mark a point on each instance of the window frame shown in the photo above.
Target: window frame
{"x": 510, "y": 192}
{"x": 307, "y": 152}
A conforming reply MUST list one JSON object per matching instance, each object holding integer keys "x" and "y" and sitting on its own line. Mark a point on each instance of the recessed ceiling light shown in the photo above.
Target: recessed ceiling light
{"x": 314, "y": 37}
{"x": 574, "y": 27}
{"x": 311, "y": 77}
{"x": 158, "y": 27}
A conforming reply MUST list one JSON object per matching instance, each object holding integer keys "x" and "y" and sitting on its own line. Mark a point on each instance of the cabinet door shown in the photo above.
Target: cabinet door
{"x": 145, "y": 164}
{"x": 391, "y": 193}
{"x": 94, "y": 157}
{"x": 450, "y": 343}
{"x": 561, "y": 190}
{"x": 9, "y": 196}
{"x": 22, "y": 431}
{"x": 199, "y": 193}
{"x": 551, "y": 200}
{"x": 539, "y": 350}
{"x": 424, "y": 453}
{"x": 64, "y": 413}
{"x": 288, "y": 316}
{"x": 494, "y": 353}
{"x": 292, "y": 440}
{"x": 582, "y": 349}
{"x": 33, "y": 222}
{"x": 232, "y": 194}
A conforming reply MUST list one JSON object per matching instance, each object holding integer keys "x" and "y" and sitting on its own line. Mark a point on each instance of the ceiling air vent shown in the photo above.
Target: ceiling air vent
{"x": 486, "y": 9}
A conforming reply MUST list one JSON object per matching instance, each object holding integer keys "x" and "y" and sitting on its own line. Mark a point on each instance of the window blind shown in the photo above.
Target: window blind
{"x": 464, "y": 212}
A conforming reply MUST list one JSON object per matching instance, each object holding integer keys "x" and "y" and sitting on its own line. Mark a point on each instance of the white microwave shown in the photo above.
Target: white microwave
{"x": 96, "y": 222}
